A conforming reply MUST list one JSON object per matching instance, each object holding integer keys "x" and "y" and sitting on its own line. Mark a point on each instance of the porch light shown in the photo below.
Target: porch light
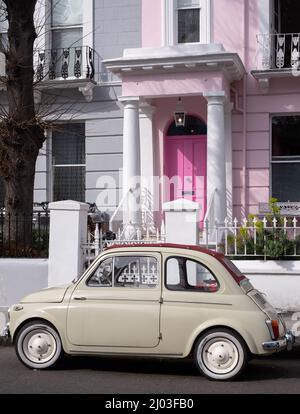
{"x": 180, "y": 114}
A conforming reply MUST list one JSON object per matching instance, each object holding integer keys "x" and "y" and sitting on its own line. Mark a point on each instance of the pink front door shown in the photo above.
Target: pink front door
{"x": 186, "y": 166}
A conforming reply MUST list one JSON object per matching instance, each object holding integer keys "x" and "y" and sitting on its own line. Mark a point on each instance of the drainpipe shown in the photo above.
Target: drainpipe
{"x": 245, "y": 50}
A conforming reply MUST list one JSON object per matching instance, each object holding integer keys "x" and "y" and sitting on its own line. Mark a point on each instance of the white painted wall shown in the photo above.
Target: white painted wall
{"x": 279, "y": 280}
{"x": 19, "y": 277}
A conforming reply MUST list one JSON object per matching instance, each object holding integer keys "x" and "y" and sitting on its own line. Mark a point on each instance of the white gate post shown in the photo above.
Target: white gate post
{"x": 182, "y": 222}
{"x": 68, "y": 230}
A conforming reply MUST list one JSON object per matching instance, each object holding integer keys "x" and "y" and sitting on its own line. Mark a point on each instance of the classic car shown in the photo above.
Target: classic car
{"x": 157, "y": 300}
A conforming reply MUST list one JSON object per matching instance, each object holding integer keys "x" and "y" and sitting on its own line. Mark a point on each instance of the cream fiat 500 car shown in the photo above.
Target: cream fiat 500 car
{"x": 152, "y": 300}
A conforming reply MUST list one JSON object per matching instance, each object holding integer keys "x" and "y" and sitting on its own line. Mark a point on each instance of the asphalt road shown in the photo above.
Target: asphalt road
{"x": 277, "y": 375}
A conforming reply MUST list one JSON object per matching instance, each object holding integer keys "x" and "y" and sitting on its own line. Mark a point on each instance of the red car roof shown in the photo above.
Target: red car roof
{"x": 170, "y": 246}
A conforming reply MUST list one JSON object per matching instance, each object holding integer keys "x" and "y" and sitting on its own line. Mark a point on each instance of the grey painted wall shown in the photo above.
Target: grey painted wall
{"x": 117, "y": 25}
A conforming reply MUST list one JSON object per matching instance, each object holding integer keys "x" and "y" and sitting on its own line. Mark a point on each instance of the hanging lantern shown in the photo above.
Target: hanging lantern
{"x": 179, "y": 114}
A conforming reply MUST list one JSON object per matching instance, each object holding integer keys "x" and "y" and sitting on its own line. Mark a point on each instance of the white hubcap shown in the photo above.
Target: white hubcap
{"x": 39, "y": 346}
{"x": 220, "y": 356}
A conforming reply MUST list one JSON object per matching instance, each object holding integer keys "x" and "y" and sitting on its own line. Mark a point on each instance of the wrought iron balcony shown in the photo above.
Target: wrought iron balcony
{"x": 72, "y": 67}
{"x": 279, "y": 52}
{"x": 65, "y": 64}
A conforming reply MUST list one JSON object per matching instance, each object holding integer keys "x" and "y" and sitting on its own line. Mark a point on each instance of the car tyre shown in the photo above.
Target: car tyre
{"x": 38, "y": 345}
{"x": 221, "y": 354}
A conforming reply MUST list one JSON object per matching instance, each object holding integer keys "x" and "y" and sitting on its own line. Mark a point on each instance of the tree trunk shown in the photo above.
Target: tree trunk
{"x": 19, "y": 185}
{"x": 21, "y": 133}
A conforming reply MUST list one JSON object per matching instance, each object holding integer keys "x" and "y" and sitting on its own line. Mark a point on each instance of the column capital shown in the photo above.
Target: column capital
{"x": 133, "y": 101}
{"x": 146, "y": 109}
{"x": 215, "y": 98}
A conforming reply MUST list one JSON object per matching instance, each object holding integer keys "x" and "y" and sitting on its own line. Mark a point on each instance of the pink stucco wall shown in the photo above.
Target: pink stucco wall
{"x": 174, "y": 84}
{"x": 236, "y": 24}
{"x": 152, "y": 23}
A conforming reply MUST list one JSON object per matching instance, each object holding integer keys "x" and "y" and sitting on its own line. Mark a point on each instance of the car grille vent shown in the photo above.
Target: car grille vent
{"x": 259, "y": 299}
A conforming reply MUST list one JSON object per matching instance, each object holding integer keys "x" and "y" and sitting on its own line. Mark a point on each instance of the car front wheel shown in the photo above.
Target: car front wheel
{"x": 221, "y": 354}
{"x": 38, "y": 345}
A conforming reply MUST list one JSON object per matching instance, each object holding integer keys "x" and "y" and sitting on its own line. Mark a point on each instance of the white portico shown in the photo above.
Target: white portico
{"x": 153, "y": 81}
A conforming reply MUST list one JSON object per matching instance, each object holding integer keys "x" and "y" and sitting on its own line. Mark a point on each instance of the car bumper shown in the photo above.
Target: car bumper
{"x": 280, "y": 345}
{"x": 6, "y": 332}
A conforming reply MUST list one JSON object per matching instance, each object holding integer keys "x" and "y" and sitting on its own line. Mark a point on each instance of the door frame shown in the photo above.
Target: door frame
{"x": 175, "y": 137}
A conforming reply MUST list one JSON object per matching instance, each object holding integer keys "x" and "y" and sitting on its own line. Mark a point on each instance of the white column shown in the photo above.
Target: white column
{"x": 68, "y": 230}
{"x": 131, "y": 161}
{"x": 147, "y": 163}
{"x": 216, "y": 165}
{"x": 228, "y": 154}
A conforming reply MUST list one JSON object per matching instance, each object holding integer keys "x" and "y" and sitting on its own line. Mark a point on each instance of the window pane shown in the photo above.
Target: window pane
{"x": 199, "y": 277}
{"x": 136, "y": 272}
{"x": 188, "y": 26}
{"x": 66, "y": 38}
{"x": 102, "y": 276}
{"x": 67, "y": 12}
{"x": 286, "y": 136}
{"x": 193, "y": 126}
{"x": 68, "y": 144}
{"x": 183, "y": 274}
{"x": 69, "y": 183}
{"x": 286, "y": 182}
{"x": 173, "y": 272}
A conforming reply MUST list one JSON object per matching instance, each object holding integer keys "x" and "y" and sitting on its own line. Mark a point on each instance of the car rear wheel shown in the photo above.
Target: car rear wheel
{"x": 38, "y": 345}
{"x": 221, "y": 354}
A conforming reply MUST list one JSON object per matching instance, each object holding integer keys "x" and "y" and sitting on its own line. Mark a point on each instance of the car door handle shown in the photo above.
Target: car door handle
{"x": 81, "y": 298}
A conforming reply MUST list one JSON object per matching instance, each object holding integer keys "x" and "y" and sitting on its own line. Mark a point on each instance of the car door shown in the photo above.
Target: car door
{"x": 118, "y": 304}
{"x": 192, "y": 295}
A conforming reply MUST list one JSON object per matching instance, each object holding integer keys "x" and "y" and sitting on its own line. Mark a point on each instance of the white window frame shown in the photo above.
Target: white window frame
{"x": 170, "y": 22}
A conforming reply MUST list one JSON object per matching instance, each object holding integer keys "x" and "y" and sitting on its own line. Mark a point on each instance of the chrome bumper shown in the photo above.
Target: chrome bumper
{"x": 6, "y": 332}
{"x": 277, "y": 346}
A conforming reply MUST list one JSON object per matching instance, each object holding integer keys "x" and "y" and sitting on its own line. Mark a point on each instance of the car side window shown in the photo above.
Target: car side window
{"x": 135, "y": 272}
{"x": 102, "y": 276}
{"x": 190, "y": 275}
{"x": 126, "y": 271}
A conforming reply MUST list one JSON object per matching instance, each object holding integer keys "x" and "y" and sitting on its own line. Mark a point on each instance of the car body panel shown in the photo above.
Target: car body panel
{"x": 50, "y": 295}
{"x": 154, "y": 321}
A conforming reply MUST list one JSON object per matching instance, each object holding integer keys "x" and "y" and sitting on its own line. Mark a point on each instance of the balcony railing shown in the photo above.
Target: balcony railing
{"x": 66, "y": 64}
{"x": 279, "y": 51}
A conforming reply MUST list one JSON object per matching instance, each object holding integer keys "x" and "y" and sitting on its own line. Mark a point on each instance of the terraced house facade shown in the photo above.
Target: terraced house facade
{"x": 202, "y": 94}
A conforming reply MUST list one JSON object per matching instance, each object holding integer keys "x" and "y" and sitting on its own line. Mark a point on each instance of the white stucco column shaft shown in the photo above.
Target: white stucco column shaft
{"x": 147, "y": 163}
{"x": 228, "y": 156}
{"x": 131, "y": 161}
{"x": 216, "y": 165}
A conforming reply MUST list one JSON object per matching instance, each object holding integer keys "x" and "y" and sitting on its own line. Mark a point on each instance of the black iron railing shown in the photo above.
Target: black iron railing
{"x": 279, "y": 51}
{"x": 65, "y": 63}
{"x": 24, "y": 236}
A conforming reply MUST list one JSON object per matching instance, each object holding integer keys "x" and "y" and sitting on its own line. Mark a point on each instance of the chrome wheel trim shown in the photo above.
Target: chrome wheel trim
{"x": 220, "y": 355}
{"x": 221, "y": 366}
{"x": 35, "y": 336}
{"x": 39, "y": 346}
